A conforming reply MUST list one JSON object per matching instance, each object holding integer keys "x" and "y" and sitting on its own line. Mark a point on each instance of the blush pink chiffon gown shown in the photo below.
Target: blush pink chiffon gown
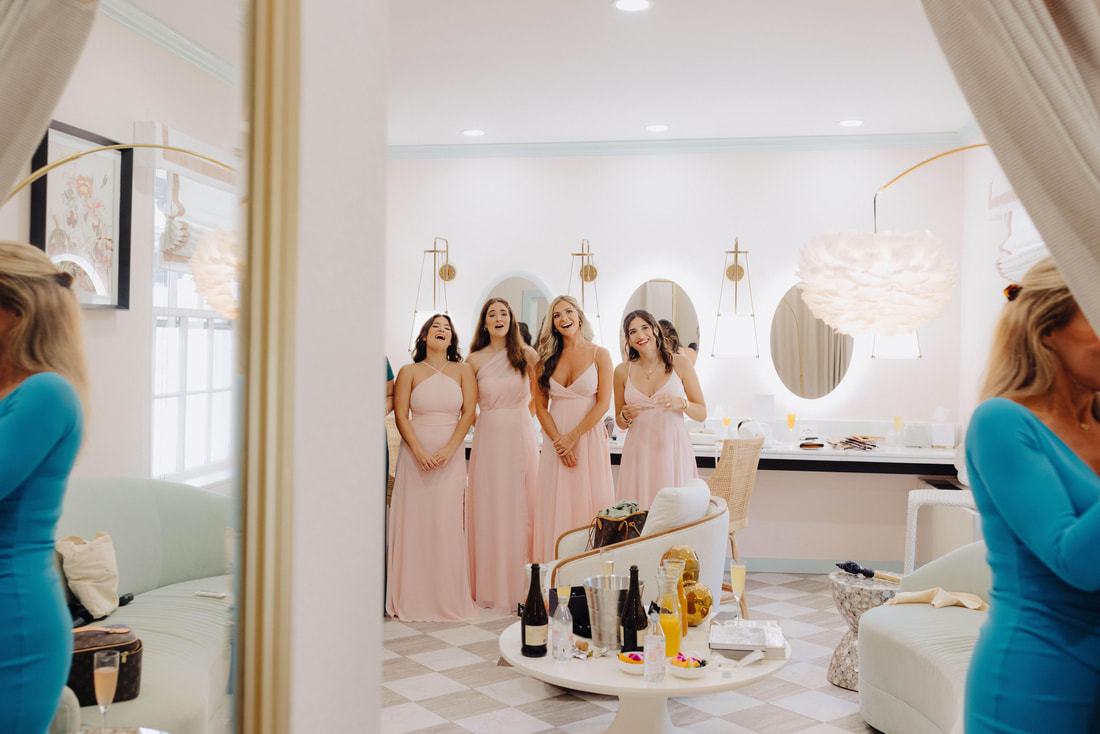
{"x": 503, "y": 481}
{"x": 571, "y": 497}
{"x": 657, "y": 452}
{"x": 428, "y": 578}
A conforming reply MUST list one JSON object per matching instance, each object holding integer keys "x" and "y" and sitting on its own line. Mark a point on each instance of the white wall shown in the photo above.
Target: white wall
{"x": 122, "y": 79}
{"x": 672, "y": 216}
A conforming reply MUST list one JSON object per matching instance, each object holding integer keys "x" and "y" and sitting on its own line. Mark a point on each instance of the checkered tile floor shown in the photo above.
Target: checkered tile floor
{"x": 443, "y": 677}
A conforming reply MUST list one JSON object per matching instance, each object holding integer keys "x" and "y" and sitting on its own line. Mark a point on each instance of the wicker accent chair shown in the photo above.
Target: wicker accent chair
{"x": 393, "y": 438}
{"x": 732, "y": 480}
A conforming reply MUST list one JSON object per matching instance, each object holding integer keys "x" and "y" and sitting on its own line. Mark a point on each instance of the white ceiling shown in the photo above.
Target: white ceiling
{"x": 567, "y": 71}
{"x": 527, "y": 71}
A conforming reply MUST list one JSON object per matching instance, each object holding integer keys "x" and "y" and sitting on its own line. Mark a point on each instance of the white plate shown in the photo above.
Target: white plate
{"x": 631, "y": 668}
{"x": 679, "y": 672}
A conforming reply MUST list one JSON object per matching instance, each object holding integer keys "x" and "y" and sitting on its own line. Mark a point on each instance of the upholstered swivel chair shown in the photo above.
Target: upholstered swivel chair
{"x": 732, "y": 480}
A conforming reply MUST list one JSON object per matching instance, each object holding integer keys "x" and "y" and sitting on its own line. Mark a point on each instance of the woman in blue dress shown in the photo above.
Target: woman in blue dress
{"x": 1033, "y": 453}
{"x": 42, "y": 379}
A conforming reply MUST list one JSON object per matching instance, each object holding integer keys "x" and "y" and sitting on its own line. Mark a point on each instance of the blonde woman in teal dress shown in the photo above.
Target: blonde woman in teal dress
{"x": 42, "y": 380}
{"x": 1033, "y": 455}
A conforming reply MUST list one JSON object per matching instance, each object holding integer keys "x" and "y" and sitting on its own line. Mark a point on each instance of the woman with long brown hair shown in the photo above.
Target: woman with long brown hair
{"x": 433, "y": 403}
{"x": 654, "y": 390}
{"x": 574, "y": 392}
{"x": 43, "y": 379}
{"x": 1033, "y": 455}
{"x": 503, "y": 460}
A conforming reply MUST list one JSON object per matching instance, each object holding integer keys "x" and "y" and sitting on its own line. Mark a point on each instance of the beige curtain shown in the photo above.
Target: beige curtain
{"x": 40, "y": 43}
{"x": 1031, "y": 72}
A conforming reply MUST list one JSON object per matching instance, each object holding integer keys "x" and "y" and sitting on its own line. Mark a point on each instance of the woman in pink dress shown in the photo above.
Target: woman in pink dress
{"x": 503, "y": 461}
{"x": 654, "y": 390}
{"x": 428, "y": 578}
{"x": 574, "y": 393}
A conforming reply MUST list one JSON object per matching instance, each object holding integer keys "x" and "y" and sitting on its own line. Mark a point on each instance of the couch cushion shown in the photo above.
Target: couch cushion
{"x": 920, "y": 655}
{"x": 676, "y": 506}
{"x": 185, "y": 663}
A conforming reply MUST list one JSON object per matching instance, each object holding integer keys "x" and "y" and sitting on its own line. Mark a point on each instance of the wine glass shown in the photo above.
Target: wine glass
{"x": 790, "y": 425}
{"x": 737, "y": 579}
{"x": 105, "y": 672}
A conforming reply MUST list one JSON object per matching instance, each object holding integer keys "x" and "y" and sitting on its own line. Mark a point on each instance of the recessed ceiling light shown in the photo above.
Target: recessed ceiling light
{"x": 473, "y": 133}
{"x": 851, "y": 123}
{"x": 633, "y": 6}
{"x": 657, "y": 127}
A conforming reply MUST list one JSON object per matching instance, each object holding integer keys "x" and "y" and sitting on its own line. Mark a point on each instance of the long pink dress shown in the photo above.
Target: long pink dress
{"x": 503, "y": 481}
{"x": 571, "y": 497}
{"x": 428, "y": 579}
{"x": 657, "y": 452}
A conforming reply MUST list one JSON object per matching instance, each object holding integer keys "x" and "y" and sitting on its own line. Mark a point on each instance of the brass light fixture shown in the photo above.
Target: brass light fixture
{"x": 587, "y": 273}
{"x": 442, "y": 274}
{"x": 732, "y": 330}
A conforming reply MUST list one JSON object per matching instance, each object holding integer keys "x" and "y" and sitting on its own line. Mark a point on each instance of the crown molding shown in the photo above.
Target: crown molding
{"x": 674, "y": 147}
{"x": 160, "y": 33}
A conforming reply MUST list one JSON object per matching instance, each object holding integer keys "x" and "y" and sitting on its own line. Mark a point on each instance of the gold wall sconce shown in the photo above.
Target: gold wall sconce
{"x": 584, "y": 263}
{"x": 735, "y": 329}
{"x": 443, "y": 272}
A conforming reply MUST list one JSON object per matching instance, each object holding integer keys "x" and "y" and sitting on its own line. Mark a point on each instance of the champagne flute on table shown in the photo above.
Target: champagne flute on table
{"x": 790, "y": 425}
{"x": 105, "y": 672}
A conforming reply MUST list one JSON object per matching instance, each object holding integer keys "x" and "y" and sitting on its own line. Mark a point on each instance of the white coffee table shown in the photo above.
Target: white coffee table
{"x": 643, "y": 707}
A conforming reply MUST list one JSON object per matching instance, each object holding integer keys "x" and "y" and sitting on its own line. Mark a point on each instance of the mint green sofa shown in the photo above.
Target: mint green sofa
{"x": 913, "y": 658}
{"x": 170, "y": 540}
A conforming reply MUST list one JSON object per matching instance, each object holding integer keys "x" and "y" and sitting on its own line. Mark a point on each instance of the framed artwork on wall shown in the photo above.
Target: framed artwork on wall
{"x": 81, "y": 211}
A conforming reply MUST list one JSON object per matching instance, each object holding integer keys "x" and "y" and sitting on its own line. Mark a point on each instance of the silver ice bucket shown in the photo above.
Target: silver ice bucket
{"x": 606, "y": 596}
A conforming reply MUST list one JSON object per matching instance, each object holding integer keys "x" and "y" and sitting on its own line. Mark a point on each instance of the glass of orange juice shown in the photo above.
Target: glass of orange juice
{"x": 790, "y": 425}
{"x": 897, "y": 424}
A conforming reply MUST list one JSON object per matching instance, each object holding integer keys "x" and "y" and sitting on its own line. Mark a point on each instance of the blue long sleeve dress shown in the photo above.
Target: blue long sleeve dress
{"x": 40, "y": 432}
{"x": 1036, "y": 667}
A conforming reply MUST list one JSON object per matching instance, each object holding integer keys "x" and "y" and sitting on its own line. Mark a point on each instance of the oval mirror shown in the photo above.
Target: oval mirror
{"x": 666, "y": 300}
{"x": 810, "y": 357}
{"x": 527, "y": 300}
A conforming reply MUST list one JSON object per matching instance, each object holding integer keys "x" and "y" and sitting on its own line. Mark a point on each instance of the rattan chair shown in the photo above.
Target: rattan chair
{"x": 393, "y": 438}
{"x": 732, "y": 480}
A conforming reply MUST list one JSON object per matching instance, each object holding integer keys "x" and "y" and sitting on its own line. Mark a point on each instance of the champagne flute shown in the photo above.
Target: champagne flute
{"x": 790, "y": 425}
{"x": 897, "y": 424}
{"x": 726, "y": 423}
{"x": 737, "y": 579}
{"x": 105, "y": 672}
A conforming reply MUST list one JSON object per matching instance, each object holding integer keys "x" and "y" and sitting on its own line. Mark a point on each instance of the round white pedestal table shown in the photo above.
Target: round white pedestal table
{"x": 643, "y": 707}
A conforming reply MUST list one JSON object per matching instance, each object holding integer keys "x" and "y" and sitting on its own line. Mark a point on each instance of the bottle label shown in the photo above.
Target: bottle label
{"x": 534, "y": 635}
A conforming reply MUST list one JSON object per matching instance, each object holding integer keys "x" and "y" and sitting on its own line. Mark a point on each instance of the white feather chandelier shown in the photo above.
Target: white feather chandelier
{"x": 883, "y": 283}
{"x": 216, "y": 267}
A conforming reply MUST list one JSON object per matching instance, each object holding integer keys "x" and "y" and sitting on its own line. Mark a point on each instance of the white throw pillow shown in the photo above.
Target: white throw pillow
{"x": 676, "y": 506}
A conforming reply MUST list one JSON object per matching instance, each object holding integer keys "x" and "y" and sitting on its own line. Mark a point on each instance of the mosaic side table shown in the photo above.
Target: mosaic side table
{"x": 854, "y": 595}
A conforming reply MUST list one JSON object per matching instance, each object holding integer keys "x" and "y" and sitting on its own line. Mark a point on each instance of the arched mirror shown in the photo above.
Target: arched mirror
{"x": 666, "y": 300}
{"x": 527, "y": 300}
{"x": 810, "y": 357}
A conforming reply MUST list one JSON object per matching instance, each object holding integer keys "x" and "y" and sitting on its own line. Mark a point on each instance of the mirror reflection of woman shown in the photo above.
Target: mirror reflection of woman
{"x": 434, "y": 401}
{"x": 654, "y": 390}
{"x": 574, "y": 392}
{"x": 503, "y": 461}
{"x": 675, "y": 346}
{"x": 43, "y": 381}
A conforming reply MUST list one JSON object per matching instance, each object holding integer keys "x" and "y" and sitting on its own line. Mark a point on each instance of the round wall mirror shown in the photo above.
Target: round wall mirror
{"x": 666, "y": 301}
{"x": 810, "y": 357}
{"x": 527, "y": 300}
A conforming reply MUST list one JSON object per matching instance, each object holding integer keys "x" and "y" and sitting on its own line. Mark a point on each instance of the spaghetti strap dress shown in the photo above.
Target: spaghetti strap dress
{"x": 503, "y": 481}
{"x": 41, "y": 425}
{"x": 657, "y": 452}
{"x": 426, "y": 562}
{"x": 570, "y": 497}
{"x": 1036, "y": 665}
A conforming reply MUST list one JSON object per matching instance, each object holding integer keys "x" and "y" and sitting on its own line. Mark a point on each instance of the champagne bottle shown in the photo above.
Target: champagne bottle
{"x": 634, "y": 620}
{"x": 534, "y": 623}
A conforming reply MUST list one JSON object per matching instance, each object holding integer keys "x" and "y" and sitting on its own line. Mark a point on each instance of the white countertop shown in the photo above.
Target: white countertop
{"x": 786, "y": 451}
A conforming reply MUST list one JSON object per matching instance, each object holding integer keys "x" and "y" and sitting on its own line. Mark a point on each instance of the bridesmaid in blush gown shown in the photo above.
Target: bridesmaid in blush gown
{"x": 654, "y": 389}
{"x": 503, "y": 461}
{"x": 428, "y": 578}
{"x": 574, "y": 393}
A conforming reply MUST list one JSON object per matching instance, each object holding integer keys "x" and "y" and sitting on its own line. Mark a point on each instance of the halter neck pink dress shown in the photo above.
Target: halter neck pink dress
{"x": 428, "y": 578}
{"x": 657, "y": 452}
{"x": 503, "y": 481}
{"x": 571, "y": 497}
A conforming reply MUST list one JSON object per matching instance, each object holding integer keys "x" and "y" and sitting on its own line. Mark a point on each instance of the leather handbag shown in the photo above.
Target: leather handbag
{"x": 609, "y": 530}
{"x": 89, "y": 640}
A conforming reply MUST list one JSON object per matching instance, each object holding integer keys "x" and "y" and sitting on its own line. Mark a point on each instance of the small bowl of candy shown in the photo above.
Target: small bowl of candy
{"x": 685, "y": 666}
{"x": 632, "y": 662}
